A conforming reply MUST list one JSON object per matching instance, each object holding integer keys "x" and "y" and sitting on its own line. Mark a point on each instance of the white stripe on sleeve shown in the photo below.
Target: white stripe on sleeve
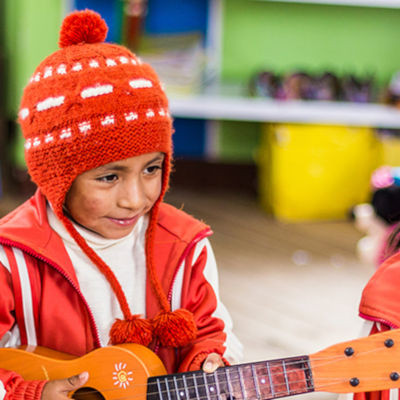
{"x": 234, "y": 349}
{"x": 11, "y": 338}
{"x": 4, "y": 259}
{"x": 26, "y": 297}
{"x": 2, "y": 391}
{"x": 177, "y": 288}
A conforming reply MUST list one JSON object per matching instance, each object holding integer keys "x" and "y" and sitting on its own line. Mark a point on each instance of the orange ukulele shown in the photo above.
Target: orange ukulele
{"x": 133, "y": 372}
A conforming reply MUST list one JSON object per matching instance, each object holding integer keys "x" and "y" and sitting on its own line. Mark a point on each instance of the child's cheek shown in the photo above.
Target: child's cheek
{"x": 95, "y": 205}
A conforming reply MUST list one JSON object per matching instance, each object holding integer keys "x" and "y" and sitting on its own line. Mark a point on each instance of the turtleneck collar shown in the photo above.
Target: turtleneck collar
{"x": 94, "y": 240}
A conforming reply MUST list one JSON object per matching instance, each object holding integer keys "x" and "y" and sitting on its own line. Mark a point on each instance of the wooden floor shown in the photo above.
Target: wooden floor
{"x": 292, "y": 289}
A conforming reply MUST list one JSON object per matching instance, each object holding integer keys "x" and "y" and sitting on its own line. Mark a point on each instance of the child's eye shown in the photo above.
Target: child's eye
{"x": 107, "y": 178}
{"x": 152, "y": 169}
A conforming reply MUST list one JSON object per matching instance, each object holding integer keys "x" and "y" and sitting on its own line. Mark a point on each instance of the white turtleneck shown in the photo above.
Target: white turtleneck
{"x": 127, "y": 259}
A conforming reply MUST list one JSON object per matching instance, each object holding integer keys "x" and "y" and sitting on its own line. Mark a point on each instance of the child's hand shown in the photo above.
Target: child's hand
{"x": 59, "y": 389}
{"x": 212, "y": 362}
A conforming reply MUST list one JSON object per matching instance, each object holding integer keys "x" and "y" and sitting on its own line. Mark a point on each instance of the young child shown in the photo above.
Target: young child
{"x": 95, "y": 257}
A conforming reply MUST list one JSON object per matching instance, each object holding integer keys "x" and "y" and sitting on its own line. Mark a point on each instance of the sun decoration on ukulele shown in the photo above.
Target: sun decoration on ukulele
{"x": 121, "y": 376}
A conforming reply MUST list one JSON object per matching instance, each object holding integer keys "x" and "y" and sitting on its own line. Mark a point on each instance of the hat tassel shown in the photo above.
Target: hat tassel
{"x": 133, "y": 329}
{"x": 175, "y": 328}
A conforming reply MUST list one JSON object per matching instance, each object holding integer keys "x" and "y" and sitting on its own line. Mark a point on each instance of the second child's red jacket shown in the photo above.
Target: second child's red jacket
{"x": 380, "y": 303}
{"x": 39, "y": 290}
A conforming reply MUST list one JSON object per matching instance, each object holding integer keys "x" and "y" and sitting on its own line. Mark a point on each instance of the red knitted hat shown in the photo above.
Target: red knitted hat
{"x": 88, "y": 104}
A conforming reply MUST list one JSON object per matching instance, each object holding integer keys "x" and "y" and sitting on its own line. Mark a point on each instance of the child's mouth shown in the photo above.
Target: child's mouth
{"x": 124, "y": 221}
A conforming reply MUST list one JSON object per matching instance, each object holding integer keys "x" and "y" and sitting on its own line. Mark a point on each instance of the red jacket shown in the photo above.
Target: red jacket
{"x": 380, "y": 303}
{"x": 67, "y": 324}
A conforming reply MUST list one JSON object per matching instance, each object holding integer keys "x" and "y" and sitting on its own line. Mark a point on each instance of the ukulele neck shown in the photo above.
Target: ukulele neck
{"x": 259, "y": 380}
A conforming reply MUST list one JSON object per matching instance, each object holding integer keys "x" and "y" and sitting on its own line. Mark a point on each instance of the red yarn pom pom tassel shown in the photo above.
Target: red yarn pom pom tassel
{"x": 132, "y": 330}
{"x": 82, "y": 27}
{"x": 175, "y": 328}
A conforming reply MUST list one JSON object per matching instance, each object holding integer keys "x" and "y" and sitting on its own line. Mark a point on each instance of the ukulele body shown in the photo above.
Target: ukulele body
{"x": 117, "y": 372}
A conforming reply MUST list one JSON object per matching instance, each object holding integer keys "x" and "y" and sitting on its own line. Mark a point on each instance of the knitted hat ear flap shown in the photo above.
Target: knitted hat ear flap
{"x": 132, "y": 329}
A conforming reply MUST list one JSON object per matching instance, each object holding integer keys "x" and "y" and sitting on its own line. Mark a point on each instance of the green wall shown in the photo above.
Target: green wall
{"x": 239, "y": 141}
{"x": 283, "y": 37}
{"x": 31, "y": 33}
{"x": 286, "y": 36}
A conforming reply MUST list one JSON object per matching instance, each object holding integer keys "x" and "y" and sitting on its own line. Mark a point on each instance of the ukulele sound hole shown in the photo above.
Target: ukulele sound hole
{"x": 87, "y": 393}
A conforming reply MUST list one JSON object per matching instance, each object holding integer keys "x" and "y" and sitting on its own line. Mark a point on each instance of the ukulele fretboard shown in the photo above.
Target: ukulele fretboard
{"x": 261, "y": 380}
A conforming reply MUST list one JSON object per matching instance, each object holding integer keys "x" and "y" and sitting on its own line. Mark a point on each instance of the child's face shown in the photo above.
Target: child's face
{"x": 110, "y": 199}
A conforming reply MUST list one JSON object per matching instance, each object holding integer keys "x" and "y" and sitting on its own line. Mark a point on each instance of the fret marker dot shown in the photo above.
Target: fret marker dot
{"x": 211, "y": 389}
{"x": 181, "y": 394}
{"x": 263, "y": 381}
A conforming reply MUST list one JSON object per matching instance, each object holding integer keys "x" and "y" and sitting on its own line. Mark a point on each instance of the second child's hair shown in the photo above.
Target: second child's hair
{"x": 393, "y": 243}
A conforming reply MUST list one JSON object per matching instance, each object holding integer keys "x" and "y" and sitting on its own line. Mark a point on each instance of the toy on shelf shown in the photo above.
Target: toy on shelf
{"x": 300, "y": 85}
{"x": 357, "y": 90}
{"x": 391, "y": 95}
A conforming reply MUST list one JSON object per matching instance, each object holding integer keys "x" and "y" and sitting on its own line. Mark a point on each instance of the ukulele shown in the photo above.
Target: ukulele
{"x": 133, "y": 372}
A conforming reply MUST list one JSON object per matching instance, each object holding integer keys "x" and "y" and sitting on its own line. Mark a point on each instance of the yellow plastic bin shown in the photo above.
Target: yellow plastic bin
{"x": 315, "y": 172}
{"x": 390, "y": 147}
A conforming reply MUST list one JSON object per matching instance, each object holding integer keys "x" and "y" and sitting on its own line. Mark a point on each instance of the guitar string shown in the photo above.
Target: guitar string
{"x": 173, "y": 394}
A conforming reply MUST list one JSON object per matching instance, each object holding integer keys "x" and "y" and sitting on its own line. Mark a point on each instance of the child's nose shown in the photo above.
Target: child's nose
{"x": 132, "y": 196}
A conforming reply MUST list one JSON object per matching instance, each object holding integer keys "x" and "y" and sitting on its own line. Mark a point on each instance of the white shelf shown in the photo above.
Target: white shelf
{"x": 358, "y": 3}
{"x": 239, "y": 108}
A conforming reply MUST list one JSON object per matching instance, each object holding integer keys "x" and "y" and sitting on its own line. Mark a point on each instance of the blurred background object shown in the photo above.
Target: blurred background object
{"x": 3, "y": 131}
{"x": 134, "y": 12}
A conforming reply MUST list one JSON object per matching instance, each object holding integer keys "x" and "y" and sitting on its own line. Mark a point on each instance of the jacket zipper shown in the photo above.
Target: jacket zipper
{"x": 32, "y": 253}
{"x": 380, "y": 320}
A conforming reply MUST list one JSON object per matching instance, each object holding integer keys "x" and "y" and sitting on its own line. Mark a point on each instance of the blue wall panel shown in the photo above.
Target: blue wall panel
{"x": 111, "y": 12}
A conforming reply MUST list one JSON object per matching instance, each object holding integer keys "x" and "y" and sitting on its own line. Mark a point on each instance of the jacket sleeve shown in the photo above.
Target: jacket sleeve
{"x": 196, "y": 289}
{"x": 12, "y": 385}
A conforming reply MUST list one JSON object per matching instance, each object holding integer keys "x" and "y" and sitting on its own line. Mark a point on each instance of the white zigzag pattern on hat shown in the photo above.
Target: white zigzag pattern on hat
{"x": 93, "y": 63}
{"x": 98, "y": 90}
{"x": 50, "y": 102}
{"x": 140, "y": 83}
{"x": 86, "y": 126}
{"x": 92, "y": 91}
